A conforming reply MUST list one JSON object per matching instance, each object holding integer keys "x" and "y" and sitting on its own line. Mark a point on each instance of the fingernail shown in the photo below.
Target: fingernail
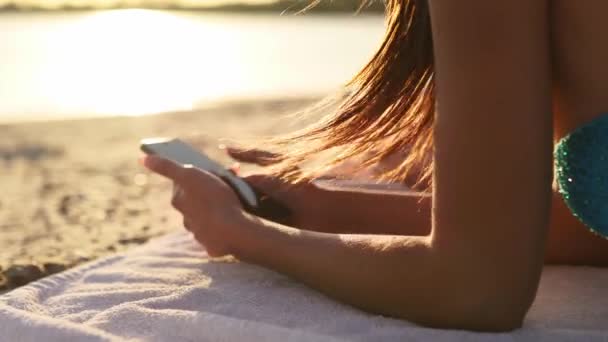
{"x": 221, "y": 146}
{"x": 235, "y": 168}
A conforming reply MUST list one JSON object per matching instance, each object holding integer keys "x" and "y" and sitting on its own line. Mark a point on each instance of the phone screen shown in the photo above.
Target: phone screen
{"x": 253, "y": 200}
{"x": 184, "y": 154}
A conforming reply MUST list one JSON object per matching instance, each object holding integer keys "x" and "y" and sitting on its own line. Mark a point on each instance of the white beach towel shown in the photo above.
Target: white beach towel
{"x": 167, "y": 290}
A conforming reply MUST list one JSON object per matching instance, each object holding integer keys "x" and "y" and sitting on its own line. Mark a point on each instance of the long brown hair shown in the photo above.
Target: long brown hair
{"x": 390, "y": 106}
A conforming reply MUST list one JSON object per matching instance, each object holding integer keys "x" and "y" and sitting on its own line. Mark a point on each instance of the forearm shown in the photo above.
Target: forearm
{"x": 364, "y": 271}
{"x": 398, "y": 276}
{"x": 366, "y": 212}
{"x": 569, "y": 241}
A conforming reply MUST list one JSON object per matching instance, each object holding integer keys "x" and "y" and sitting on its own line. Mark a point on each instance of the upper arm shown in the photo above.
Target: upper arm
{"x": 493, "y": 139}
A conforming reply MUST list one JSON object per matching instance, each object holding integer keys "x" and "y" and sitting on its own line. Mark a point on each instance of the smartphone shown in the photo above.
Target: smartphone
{"x": 182, "y": 153}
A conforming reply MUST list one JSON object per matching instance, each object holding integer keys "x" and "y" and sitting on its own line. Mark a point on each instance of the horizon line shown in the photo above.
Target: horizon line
{"x": 282, "y": 6}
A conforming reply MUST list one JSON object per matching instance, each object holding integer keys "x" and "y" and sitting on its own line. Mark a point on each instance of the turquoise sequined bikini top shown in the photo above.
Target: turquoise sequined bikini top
{"x": 581, "y": 160}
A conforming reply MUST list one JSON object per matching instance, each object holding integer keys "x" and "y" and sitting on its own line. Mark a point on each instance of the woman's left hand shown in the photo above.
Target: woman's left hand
{"x": 211, "y": 209}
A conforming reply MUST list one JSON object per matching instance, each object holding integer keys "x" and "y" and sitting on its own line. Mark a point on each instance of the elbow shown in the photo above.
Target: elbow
{"x": 464, "y": 291}
{"x": 489, "y": 310}
{"x": 489, "y": 292}
{"x": 492, "y": 312}
{"x": 496, "y": 315}
{"x": 477, "y": 302}
{"x": 490, "y": 307}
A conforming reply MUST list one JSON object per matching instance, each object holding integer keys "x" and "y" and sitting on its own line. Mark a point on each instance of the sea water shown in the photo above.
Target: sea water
{"x": 133, "y": 62}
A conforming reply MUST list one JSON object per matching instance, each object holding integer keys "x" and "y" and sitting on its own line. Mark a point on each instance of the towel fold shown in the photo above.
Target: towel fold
{"x": 168, "y": 290}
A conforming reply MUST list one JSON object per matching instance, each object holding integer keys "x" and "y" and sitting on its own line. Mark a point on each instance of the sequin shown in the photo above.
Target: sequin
{"x": 582, "y": 173}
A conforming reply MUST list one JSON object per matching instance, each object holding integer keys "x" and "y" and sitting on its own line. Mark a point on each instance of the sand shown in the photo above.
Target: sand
{"x": 73, "y": 191}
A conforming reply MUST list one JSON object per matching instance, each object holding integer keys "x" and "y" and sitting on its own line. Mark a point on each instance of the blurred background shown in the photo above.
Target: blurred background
{"x": 64, "y": 59}
{"x": 81, "y": 81}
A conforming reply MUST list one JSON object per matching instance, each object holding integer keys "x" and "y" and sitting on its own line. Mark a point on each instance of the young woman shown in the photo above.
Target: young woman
{"x": 487, "y": 87}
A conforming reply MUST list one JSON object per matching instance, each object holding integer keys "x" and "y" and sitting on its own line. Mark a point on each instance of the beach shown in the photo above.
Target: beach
{"x": 73, "y": 191}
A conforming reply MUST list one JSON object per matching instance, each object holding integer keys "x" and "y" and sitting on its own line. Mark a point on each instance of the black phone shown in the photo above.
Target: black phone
{"x": 182, "y": 153}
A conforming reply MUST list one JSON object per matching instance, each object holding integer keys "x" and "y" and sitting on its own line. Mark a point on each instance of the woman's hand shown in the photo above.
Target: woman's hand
{"x": 211, "y": 209}
{"x": 309, "y": 205}
{"x": 340, "y": 211}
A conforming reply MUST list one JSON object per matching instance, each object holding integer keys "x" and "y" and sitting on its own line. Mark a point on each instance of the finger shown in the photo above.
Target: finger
{"x": 193, "y": 178}
{"x": 163, "y": 167}
{"x": 254, "y": 156}
{"x": 178, "y": 200}
{"x": 181, "y": 200}
{"x": 193, "y": 184}
{"x": 235, "y": 169}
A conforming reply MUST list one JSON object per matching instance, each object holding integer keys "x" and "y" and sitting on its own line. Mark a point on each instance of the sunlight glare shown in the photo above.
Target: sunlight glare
{"x": 134, "y": 62}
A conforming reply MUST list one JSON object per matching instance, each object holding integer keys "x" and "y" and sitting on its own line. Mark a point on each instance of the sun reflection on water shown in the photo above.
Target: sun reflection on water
{"x": 140, "y": 61}
{"x": 146, "y": 61}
